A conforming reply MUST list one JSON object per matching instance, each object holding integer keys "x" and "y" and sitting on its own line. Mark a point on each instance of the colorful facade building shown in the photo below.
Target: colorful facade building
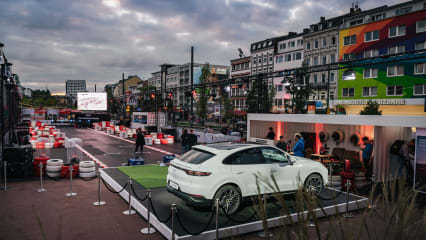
{"x": 382, "y": 58}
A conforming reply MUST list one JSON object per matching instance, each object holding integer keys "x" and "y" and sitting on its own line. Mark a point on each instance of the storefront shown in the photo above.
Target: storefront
{"x": 343, "y": 132}
{"x": 403, "y": 106}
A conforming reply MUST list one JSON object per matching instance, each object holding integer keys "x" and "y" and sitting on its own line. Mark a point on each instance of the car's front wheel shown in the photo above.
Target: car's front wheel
{"x": 314, "y": 183}
{"x": 229, "y": 199}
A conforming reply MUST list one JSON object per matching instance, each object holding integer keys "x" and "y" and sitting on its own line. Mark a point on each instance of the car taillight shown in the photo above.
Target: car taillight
{"x": 197, "y": 173}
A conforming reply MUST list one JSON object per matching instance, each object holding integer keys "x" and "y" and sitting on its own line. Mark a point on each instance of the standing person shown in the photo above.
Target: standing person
{"x": 271, "y": 134}
{"x": 367, "y": 151}
{"x": 282, "y": 144}
{"x": 140, "y": 140}
{"x": 299, "y": 147}
{"x": 192, "y": 139}
{"x": 185, "y": 141}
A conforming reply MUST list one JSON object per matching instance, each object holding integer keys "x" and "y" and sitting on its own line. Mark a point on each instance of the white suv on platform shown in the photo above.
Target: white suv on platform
{"x": 228, "y": 172}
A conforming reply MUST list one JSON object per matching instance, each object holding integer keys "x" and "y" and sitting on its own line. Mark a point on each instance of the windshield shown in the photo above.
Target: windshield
{"x": 196, "y": 156}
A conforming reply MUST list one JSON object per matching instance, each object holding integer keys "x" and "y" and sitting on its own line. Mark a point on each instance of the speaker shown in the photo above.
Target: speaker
{"x": 19, "y": 161}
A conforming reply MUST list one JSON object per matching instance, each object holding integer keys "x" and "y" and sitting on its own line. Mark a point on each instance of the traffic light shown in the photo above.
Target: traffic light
{"x": 152, "y": 95}
{"x": 194, "y": 93}
{"x": 170, "y": 95}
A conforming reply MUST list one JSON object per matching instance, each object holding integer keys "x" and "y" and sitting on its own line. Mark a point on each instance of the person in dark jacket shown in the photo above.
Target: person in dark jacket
{"x": 140, "y": 140}
{"x": 299, "y": 147}
{"x": 192, "y": 139}
{"x": 271, "y": 134}
{"x": 185, "y": 141}
{"x": 282, "y": 144}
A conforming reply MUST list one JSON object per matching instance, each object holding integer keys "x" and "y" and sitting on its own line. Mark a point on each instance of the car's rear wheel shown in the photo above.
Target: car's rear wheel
{"x": 229, "y": 199}
{"x": 314, "y": 183}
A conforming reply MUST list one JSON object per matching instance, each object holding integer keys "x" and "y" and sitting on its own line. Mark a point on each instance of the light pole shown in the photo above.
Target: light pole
{"x": 2, "y": 75}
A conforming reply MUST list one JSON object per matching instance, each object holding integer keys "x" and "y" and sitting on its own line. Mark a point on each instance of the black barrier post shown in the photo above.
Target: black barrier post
{"x": 347, "y": 214}
{"x": 41, "y": 189}
{"x": 217, "y": 218}
{"x": 99, "y": 202}
{"x": 129, "y": 211}
{"x": 149, "y": 229}
{"x": 70, "y": 194}
{"x": 173, "y": 209}
{"x": 4, "y": 175}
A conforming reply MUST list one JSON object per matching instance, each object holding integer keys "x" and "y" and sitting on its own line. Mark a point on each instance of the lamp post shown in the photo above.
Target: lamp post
{"x": 2, "y": 75}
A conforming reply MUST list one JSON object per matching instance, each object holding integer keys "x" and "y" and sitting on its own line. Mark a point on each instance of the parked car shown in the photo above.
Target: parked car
{"x": 228, "y": 172}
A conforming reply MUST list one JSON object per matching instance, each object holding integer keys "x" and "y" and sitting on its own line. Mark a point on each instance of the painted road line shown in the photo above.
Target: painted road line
{"x": 103, "y": 165}
{"x": 145, "y": 146}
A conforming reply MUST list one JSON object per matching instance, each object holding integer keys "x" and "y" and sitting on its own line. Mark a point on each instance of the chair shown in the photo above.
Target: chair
{"x": 338, "y": 154}
{"x": 353, "y": 156}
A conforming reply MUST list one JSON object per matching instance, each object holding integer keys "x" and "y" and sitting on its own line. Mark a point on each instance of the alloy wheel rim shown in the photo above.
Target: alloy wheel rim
{"x": 229, "y": 201}
{"x": 314, "y": 185}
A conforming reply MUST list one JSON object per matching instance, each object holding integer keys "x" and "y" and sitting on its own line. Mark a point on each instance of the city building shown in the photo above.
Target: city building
{"x": 395, "y": 75}
{"x": 130, "y": 84}
{"x": 288, "y": 55}
{"x": 72, "y": 87}
{"x": 240, "y": 67}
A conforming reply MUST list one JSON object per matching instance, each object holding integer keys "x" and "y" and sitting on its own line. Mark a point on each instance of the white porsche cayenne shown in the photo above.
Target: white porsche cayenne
{"x": 228, "y": 172}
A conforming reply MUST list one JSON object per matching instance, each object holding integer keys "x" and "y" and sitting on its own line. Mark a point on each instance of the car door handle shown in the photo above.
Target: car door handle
{"x": 274, "y": 170}
{"x": 239, "y": 172}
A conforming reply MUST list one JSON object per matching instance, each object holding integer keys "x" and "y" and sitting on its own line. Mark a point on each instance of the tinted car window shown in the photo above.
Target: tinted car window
{"x": 196, "y": 156}
{"x": 273, "y": 155}
{"x": 250, "y": 156}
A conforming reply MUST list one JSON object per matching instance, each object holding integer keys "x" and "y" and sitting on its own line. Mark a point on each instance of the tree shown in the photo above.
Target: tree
{"x": 227, "y": 108}
{"x": 372, "y": 108}
{"x": 203, "y": 98}
{"x": 300, "y": 93}
{"x": 260, "y": 96}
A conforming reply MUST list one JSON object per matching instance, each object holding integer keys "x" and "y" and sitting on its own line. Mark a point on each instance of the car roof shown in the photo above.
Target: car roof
{"x": 221, "y": 147}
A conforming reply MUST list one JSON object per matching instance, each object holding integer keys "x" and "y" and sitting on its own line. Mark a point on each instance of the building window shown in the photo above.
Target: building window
{"x": 397, "y": 70}
{"x": 378, "y": 17}
{"x": 348, "y": 75}
{"x": 420, "y": 68}
{"x": 260, "y": 60}
{"x": 315, "y": 61}
{"x": 269, "y": 43}
{"x": 279, "y": 59}
{"x": 396, "y": 49}
{"x": 394, "y": 91}
{"x": 403, "y": 10}
{"x": 308, "y": 45}
{"x": 316, "y": 43}
{"x": 369, "y": 91}
{"x": 332, "y": 76}
{"x": 333, "y": 58}
{"x": 253, "y": 47}
{"x": 349, "y": 40}
{"x": 333, "y": 41}
{"x": 323, "y": 78}
{"x": 259, "y": 45}
{"x": 397, "y": 31}
{"x": 371, "y": 53}
{"x": 371, "y": 36}
{"x": 280, "y": 88}
{"x": 299, "y": 42}
{"x": 247, "y": 65}
{"x": 421, "y": 26}
{"x": 254, "y": 60}
{"x": 288, "y": 57}
{"x": 254, "y": 71}
{"x": 270, "y": 59}
{"x": 356, "y": 22}
{"x": 308, "y": 61}
{"x": 348, "y": 92}
{"x": 291, "y": 44}
{"x": 420, "y": 45}
{"x": 349, "y": 56}
{"x": 315, "y": 78}
{"x": 265, "y": 60}
{"x": 324, "y": 60}
{"x": 420, "y": 89}
{"x": 270, "y": 69}
{"x": 297, "y": 56}
{"x": 324, "y": 42}
{"x": 265, "y": 70}
{"x": 370, "y": 73}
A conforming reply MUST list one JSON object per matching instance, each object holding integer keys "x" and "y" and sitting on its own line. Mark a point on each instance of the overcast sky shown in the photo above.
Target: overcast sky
{"x": 50, "y": 41}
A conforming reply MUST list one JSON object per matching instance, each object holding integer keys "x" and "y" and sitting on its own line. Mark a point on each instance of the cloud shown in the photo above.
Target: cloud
{"x": 50, "y": 41}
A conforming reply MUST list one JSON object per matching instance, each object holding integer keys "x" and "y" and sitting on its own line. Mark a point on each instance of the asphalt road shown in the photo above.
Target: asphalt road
{"x": 114, "y": 151}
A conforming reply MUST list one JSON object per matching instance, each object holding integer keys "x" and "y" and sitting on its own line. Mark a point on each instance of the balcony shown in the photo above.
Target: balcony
{"x": 319, "y": 85}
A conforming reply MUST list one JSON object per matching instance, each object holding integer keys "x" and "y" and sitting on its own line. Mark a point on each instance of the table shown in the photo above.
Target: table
{"x": 322, "y": 157}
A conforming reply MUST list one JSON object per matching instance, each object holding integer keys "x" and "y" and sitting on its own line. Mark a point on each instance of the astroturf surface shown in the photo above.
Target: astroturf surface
{"x": 149, "y": 176}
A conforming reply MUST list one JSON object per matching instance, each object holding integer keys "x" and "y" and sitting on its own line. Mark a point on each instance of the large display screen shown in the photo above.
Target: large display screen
{"x": 92, "y": 101}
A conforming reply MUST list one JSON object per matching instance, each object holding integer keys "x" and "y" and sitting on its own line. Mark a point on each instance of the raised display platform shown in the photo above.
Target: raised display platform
{"x": 195, "y": 221}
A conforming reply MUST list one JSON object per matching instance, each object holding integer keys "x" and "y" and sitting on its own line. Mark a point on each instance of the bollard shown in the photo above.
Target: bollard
{"x": 70, "y": 194}
{"x": 347, "y": 214}
{"x": 149, "y": 229}
{"x": 99, "y": 202}
{"x": 217, "y": 218}
{"x": 173, "y": 209}
{"x": 330, "y": 178}
{"x": 41, "y": 189}
{"x": 4, "y": 175}
{"x": 129, "y": 211}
